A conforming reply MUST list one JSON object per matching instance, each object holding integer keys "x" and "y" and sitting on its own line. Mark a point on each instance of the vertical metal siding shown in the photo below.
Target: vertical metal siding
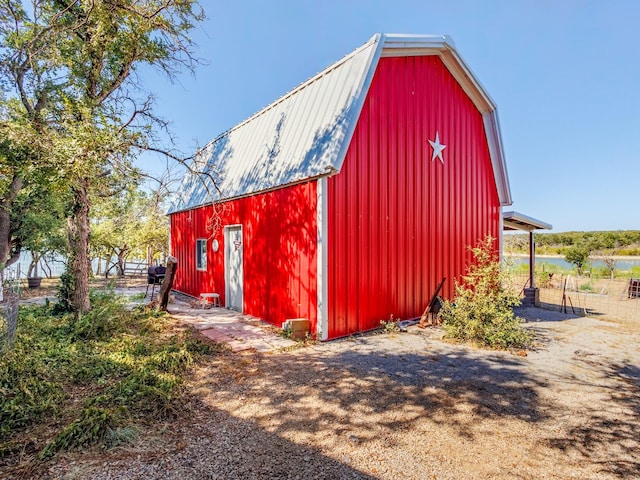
{"x": 279, "y": 252}
{"x": 397, "y": 221}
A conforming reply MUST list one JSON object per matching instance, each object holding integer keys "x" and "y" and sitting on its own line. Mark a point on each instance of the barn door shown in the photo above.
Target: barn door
{"x": 233, "y": 267}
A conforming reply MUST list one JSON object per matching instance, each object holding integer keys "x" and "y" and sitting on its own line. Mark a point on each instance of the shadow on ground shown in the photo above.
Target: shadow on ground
{"x": 351, "y": 390}
{"x": 609, "y": 433}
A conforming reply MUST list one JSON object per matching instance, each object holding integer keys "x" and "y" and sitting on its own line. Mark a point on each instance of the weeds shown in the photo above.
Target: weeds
{"x": 92, "y": 381}
{"x": 392, "y": 326}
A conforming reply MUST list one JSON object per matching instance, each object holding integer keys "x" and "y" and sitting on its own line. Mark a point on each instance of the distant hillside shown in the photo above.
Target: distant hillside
{"x": 621, "y": 242}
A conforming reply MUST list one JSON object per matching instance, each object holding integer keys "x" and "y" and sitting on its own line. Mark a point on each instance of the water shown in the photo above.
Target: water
{"x": 621, "y": 264}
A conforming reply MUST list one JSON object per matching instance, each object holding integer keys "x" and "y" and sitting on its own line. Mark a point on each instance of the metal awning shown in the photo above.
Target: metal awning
{"x": 519, "y": 221}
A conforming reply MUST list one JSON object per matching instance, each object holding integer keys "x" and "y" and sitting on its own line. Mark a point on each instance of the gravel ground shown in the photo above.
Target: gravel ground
{"x": 403, "y": 406}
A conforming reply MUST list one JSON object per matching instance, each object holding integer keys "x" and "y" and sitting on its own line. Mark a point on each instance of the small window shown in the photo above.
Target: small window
{"x": 201, "y": 254}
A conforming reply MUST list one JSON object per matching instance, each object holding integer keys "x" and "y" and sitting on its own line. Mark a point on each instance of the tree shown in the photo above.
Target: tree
{"x": 131, "y": 223}
{"x": 30, "y": 192}
{"x": 70, "y": 63}
{"x": 577, "y": 255}
{"x": 41, "y": 226}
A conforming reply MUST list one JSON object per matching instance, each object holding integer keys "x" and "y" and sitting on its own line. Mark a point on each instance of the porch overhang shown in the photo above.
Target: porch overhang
{"x": 519, "y": 221}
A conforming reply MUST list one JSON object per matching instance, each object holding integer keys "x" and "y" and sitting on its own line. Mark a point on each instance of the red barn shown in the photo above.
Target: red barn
{"x": 351, "y": 197}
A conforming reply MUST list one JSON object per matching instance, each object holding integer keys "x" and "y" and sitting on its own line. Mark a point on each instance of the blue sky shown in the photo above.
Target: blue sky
{"x": 564, "y": 74}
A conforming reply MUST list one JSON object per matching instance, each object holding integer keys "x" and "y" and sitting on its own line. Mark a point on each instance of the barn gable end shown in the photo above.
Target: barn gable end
{"x": 399, "y": 220}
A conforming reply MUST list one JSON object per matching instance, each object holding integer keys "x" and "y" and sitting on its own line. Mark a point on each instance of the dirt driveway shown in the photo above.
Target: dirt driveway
{"x": 407, "y": 406}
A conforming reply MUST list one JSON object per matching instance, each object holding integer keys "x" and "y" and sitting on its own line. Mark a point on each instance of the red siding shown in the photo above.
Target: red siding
{"x": 397, "y": 221}
{"x": 279, "y": 231}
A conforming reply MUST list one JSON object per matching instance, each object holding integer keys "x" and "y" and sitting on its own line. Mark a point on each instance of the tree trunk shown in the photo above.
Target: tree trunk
{"x": 33, "y": 266}
{"x": 78, "y": 231}
{"x": 167, "y": 283}
{"x": 122, "y": 260}
{"x": 6, "y": 258}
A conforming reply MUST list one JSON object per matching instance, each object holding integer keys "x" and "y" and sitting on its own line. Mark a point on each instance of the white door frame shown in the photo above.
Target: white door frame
{"x": 228, "y": 244}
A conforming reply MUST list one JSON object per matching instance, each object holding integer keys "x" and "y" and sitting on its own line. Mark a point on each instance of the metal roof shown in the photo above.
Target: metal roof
{"x": 519, "y": 221}
{"x": 306, "y": 133}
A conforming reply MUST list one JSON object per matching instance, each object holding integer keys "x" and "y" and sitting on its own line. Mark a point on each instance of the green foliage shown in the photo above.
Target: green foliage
{"x": 68, "y": 89}
{"x": 577, "y": 255}
{"x": 482, "y": 311}
{"x": 622, "y": 242}
{"x": 100, "y": 376}
{"x": 30, "y": 192}
{"x": 129, "y": 224}
{"x": 90, "y": 427}
{"x": 390, "y": 326}
{"x": 65, "y": 292}
{"x": 27, "y": 391}
{"x": 587, "y": 287}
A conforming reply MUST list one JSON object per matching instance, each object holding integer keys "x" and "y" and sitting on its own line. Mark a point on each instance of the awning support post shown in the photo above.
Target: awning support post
{"x": 532, "y": 260}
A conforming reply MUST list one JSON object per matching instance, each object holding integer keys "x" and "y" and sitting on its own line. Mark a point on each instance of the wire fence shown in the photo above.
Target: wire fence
{"x": 615, "y": 299}
{"x": 9, "y": 310}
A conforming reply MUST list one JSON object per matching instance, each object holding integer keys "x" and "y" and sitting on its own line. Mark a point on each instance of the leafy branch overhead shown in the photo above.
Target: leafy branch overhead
{"x": 71, "y": 75}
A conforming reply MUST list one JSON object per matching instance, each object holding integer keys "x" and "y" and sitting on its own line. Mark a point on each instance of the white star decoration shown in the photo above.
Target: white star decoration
{"x": 437, "y": 148}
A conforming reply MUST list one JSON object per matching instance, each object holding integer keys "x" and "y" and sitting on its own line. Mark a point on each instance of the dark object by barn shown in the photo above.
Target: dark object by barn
{"x": 435, "y": 304}
{"x": 634, "y": 288}
{"x": 430, "y": 315}
{"x": 155, "y": 276}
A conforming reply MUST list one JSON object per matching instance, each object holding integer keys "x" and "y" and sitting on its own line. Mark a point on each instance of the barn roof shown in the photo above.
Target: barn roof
{"x": 305, "y": 134}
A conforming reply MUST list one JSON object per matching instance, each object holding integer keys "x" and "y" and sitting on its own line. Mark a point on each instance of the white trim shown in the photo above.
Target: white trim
{"x": 400, "y": 45}
{"x": 496, "y": 153}
{"x": 361, "y": 93}
{"x": 501, "y": 236}
{"x": 322, "y": 328}
{"x": 227, "y": 246}
{"x": 169, "y": 247}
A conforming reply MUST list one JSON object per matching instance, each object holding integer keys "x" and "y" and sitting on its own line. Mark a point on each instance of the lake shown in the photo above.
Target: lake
{"x": 622, "y": 264}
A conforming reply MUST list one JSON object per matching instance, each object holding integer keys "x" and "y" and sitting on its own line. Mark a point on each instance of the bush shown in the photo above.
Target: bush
{"x": 94, "y": 380}
{"x": 482, "y": 311}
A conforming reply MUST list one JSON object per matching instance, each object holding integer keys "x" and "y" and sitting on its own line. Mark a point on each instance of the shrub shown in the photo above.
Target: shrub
{"x": 392, "y": 326}
{"x": 94, "y": 380}
{"x": 482, "y": 311}
{"x": 65, "y": 293}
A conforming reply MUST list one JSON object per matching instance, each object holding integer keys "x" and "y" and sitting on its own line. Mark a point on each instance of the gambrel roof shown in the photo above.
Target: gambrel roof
{"x": 306, "y": 133}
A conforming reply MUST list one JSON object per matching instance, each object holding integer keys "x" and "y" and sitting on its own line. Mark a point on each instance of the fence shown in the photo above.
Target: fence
{"x": 617, "y": 299}
{"x": 54, "y": 266}
{"x": 9, "y": 311}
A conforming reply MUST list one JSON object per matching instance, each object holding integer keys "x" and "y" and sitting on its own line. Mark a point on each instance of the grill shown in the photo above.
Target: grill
{"x": 155, "y": 276}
